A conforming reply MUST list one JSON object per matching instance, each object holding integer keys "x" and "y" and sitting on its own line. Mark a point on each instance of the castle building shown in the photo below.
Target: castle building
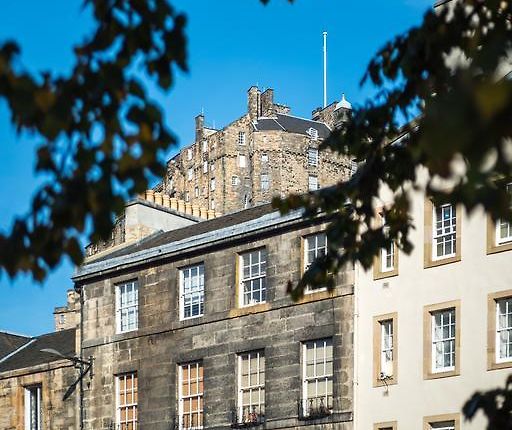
{"x": 266, "y": 152}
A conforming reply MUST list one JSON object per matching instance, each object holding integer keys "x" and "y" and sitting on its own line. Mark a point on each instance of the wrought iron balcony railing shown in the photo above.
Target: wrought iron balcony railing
{"x": 247, "y": 416}
{"x": 316, "y": 407}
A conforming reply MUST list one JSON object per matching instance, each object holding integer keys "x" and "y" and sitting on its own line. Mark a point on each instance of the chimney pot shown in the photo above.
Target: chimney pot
{"x": 174, "y": 203}
{"x": 150, "y": 196}
{"x": 158, "y": 199}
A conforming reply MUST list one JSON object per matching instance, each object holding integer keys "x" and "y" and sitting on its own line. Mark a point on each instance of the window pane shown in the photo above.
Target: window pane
{"x": 127, "y": 395}
{"x": 192, "y": 291}
{"x": 443, "y": 340}
{"x": 127, "y": 306}
{"x": 251, "y": 397}
{"x": 253, "y": 282}
{"x": 191, "y": 396}
{"x": 318, "y": 376}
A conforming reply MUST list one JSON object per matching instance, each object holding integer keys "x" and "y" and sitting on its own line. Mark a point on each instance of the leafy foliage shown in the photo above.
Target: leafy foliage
{"x": 443, "y": 77}
{"x": 495, "y": 404}
{"x": 100, "y": 135}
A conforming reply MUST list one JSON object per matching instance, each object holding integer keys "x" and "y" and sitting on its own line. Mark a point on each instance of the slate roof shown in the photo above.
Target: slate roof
{"x": 292, "y": 124}
{"x": 202, "y": 227}
{"x": 30, "y": 355}
{"x": 9, "y": 342}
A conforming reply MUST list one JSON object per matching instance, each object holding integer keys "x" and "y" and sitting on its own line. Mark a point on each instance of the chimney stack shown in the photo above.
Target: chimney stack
{"x": 199, "y": 127}
{"x": 267, "y": 102}
{"x": 253, "y": 102}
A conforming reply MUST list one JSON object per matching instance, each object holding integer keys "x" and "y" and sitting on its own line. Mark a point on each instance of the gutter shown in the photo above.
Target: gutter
{"x": 31, "y": 370}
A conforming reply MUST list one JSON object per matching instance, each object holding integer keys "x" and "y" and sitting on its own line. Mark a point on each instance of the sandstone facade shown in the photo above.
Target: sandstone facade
{"x": 262, "y": 154}
{"x": 26, "y": 369}
{"x": 163, "y": 340}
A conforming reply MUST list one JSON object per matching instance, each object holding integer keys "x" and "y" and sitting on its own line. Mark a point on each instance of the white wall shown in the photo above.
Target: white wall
{"x": 141, "y": 215}
{"x": 470, "y": 281}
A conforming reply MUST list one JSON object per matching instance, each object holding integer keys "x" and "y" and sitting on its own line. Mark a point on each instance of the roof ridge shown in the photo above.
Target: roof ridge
{"x": 11, "y": 333}
{"x": 51, "y": 333}
{"x": 301, "y": 117}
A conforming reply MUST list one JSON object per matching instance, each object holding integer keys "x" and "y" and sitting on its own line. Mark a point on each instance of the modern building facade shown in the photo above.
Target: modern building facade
{"x": 266, "y": 152}
{"x": 193, "y": 328}
{"x": 433, "y": 327}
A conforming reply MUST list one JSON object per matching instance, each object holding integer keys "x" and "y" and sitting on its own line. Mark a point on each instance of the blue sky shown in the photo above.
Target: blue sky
{"x": 233, "y": 44}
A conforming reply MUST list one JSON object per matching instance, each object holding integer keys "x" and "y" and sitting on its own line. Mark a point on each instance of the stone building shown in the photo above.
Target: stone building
{"x": 33, "y": 382}
{"x": 266, "y": 152}
{"x": 66, "y": 317}
{"x": 193, "y": 328}
{"x": 144, "y": 216}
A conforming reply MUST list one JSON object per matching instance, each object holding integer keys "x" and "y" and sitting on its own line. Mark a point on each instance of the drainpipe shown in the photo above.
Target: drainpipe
{"x": 355, "y": 404}
{"x": 81, "y": 355}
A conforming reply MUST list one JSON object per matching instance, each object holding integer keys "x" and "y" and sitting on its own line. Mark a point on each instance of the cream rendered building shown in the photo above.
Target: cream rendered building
{"x": 426, "y": 327}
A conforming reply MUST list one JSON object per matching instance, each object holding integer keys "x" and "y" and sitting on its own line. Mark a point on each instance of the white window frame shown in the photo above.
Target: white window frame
{"x": 132, "y": 405}
{"x": 264, "y": 157}
{"x": 322, "y": 376}
{"x": 313, "y": 133}
{"x": 443, "y": 343}
{"x": 182, "y": 396}
{"x": 205, "y": 166}
{"x": 212, "y": 184}
{"x": 444, "y": 232}
{"x": 187, "y": 196}
{"x": 257, "y": 280}
{"x": 122, "y": 310}
{"x": 212, "y": 204}
{"x": 196, "y": 191}
{"x": 242, "y": 161}
{"x": 387, "y": 345}
{"x": 241, "y": 138}
{"x": 313, "y": 156}
{"x": 387, "y": 253}
{"x": 265, "y": 182}
{"x": 319, "y": 250}
{"x": 195, "y": 295}
{"x": 189, "y": 154}
{"x": 312, "y": 183}
{"x": 501, "y": 240}
{"x": 234, "y": 180}
{"x": 504, "y": 330}
{"x": 205, "y": 146}
{"x": 443, "y": 425}
{"x": 37, "y": 390}
{"x": 251, "y": 413}
{"x": 190, "y": 173}
{"x": 212, "y": 166}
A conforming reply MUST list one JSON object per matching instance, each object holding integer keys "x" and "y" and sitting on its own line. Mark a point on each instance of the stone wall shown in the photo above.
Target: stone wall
{"x": 162, "y": 341}
{"x": 239, "y": 187}
{"x": 54, "y": 380}
{"x": 68, "y": 316}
